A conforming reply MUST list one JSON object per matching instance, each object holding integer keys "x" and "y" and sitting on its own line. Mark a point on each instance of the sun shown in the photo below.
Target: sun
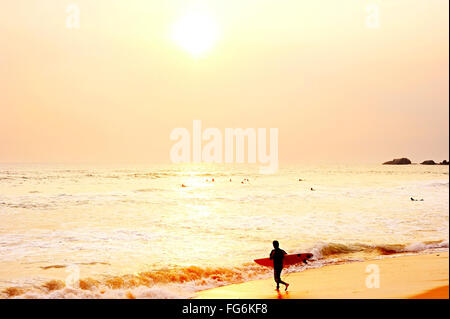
{"x": 196, "y": 33}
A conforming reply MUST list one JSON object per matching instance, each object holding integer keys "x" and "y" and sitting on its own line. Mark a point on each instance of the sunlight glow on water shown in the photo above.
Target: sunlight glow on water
{"x": 117, "y": 221}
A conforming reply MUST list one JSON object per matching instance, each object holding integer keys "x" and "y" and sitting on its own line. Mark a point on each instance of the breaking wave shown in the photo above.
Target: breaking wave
{"x": 327, "y": 250}
{"x": 183, "y": 282}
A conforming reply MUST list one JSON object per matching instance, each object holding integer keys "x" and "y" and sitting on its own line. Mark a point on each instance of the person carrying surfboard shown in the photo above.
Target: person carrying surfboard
{"x": 277, "y": 255}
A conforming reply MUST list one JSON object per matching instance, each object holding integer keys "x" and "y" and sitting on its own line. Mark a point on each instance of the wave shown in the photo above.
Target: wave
{"x": 327, "y": 250}
{"x": 183, "y": 282}
{"x": 148, "y": 190}
{"x": 179, "y": 282}
{"x": 115, "y": 174}
{"x": 66, "y": 266}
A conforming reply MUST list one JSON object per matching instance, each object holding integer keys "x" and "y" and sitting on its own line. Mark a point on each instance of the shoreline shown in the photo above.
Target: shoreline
{"x": 403, "y": 277}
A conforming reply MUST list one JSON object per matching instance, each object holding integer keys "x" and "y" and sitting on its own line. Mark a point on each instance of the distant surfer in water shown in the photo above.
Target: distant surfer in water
{"x": 277, "y": 255}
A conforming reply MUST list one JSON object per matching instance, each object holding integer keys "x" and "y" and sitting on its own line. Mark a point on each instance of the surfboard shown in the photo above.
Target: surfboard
{"x": 288, "y": 260}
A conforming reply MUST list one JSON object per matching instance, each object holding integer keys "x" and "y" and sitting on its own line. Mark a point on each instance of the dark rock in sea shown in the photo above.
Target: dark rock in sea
{"x": 398, "y": 161}
{"x": 444, "y": 162}
{"x": 429, "y": 162}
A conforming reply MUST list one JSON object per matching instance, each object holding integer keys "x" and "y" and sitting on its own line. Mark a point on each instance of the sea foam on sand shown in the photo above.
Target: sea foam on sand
{"x": 418, "y": 276}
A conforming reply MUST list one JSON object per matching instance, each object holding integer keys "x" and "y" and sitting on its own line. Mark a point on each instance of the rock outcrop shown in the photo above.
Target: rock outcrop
{"x": 398, "y": 161}
{"x": 406, "y": 161}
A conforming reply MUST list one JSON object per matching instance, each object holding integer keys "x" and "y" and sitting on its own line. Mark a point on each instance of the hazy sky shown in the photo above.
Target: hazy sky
{"x": 112, "y": 90}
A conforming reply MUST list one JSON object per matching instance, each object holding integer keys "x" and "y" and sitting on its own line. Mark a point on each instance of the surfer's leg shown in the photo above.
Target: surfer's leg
{"x": 281, "y": 281}
{"x": 276, "y": 274}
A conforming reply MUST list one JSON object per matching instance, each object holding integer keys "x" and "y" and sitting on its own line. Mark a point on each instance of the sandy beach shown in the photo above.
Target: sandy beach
{"x": 418, "y": 276}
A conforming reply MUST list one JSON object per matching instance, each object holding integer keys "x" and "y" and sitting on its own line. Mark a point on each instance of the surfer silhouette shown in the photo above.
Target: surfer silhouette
{"x": 277, "y": 255}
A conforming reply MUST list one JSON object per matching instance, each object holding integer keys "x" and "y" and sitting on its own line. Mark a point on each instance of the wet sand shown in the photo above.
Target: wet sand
{"x": 418, "y": 276}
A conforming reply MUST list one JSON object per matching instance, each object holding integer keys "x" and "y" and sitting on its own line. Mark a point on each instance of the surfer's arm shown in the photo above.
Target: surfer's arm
{"x": 271, "y": 254}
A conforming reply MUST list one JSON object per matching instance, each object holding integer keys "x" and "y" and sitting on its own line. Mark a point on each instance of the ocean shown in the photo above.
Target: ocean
{"x": 167, "y": 231}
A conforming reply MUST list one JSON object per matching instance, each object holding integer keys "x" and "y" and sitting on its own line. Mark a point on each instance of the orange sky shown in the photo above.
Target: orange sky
{"x": 112, "y": 90}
